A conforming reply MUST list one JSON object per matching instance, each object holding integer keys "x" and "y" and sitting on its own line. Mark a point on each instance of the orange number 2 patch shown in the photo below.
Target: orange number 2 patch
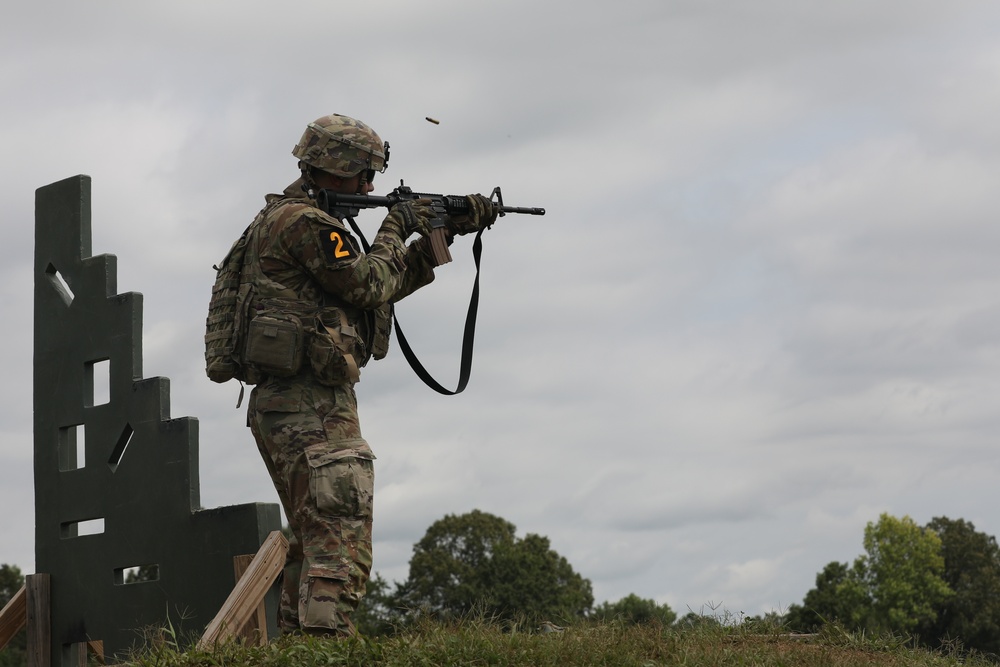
{"x": 337, "y": 246}
{"x": 339, "y": 251}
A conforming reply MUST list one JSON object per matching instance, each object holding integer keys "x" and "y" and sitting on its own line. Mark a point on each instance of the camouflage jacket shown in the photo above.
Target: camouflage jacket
{"x": 312, "y": 258}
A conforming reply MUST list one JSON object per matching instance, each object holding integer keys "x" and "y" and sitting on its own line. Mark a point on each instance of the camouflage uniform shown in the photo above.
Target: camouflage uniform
{"x": 306, "y": 424}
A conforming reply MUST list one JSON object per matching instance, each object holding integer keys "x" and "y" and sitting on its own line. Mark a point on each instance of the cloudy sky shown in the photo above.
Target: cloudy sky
{"x": 762, "y": 308}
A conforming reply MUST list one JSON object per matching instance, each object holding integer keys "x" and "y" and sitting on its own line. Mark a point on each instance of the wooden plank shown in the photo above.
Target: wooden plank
{"x": 73, "y": 654}
{"x": 39, "y": 620}
{"x": 95, "y": 647}
{"x": 249, "y": 592}
{"x": 14, "y": 616}
{"x": 255, "y": 630}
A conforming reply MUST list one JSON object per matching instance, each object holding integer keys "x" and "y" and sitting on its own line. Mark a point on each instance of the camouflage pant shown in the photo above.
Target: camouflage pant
{"x": 310, "y": 440}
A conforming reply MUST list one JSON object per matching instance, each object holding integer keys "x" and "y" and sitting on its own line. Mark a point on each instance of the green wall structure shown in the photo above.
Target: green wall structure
{"x": 116, "y": 478}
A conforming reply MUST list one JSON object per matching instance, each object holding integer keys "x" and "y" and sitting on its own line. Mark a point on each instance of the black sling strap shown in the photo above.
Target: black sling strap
{"x": 465, "y": 369}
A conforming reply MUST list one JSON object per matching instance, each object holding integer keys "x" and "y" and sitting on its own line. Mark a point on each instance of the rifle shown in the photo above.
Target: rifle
{"x": 443, "y": 206}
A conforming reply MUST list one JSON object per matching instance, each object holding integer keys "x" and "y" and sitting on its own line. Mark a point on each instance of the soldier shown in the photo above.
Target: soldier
{"x": 319, "y": 310}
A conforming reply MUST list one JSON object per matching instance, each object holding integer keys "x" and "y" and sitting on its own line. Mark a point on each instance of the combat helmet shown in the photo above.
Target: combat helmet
{"x": 342, "y": 146}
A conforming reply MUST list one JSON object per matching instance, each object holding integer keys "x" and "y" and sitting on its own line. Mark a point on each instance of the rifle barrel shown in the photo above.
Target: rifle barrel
{"x": 527, "y": 210}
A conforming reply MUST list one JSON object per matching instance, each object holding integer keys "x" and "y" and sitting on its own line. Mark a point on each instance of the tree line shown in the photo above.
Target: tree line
{"x": 938, "y": 583}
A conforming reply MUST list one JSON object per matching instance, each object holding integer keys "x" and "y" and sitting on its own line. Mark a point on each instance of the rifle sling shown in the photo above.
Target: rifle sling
{"x": 468, "y": 339}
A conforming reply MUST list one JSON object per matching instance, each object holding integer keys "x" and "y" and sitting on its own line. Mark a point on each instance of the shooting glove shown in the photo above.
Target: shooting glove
{"x": 409, "y": 217}
{"x": 482, "y": 213}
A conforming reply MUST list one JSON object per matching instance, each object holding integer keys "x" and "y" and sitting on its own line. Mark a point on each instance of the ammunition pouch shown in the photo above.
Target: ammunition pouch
{"x": 276, "y": 343}
{"x": 330, "y": 353}
{"x": 382, "y": 330}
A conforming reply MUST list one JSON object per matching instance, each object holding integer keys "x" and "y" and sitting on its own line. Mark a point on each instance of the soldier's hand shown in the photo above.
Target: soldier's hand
{"x": 482, "y": 213}
{"x": 411, "y": 217}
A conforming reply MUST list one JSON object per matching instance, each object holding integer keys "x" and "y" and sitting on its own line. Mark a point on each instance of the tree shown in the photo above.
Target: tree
{"x": 895, "y": 587}
{"x": 15, "y": 653}
{"x": 447, "y": 567}
{"x": 635, "y": 610}
{"x": 527, "y": 578}
{"x": 693, "y": 619}
{"x": 972, "y": 571}
{"x": 901, "y": 573}
{"x": 838, "y": 596}
{"x": 11, "y": 581}
{"x": 142, "y": 573}
{"x": 474, "y": 562}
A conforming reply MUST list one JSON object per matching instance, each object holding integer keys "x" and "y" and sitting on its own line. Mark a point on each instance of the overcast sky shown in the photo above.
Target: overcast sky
{"x": 762, "y": 308}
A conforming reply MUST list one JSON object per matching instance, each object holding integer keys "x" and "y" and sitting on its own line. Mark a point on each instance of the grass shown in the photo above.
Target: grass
{"x": 478, "y": 643}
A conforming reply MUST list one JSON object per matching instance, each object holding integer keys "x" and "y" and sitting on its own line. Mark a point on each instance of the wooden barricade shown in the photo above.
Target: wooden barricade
{"x": 242, "y": 615}
{"x": 14, "y": 616}
{"x": 245, "y": 602}
{"x": 255, "y": 630}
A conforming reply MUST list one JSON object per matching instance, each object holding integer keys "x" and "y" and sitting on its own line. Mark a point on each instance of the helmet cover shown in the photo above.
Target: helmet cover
{"x": 341, "y": 146}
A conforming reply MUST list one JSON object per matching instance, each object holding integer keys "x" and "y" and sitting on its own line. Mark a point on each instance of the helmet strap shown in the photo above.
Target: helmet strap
{"x": 308, "y": 184}
{"x": 362, "y": 182}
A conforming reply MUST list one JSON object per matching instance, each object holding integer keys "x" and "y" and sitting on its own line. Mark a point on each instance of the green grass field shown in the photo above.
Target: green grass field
{"x": 479, "y": 643}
